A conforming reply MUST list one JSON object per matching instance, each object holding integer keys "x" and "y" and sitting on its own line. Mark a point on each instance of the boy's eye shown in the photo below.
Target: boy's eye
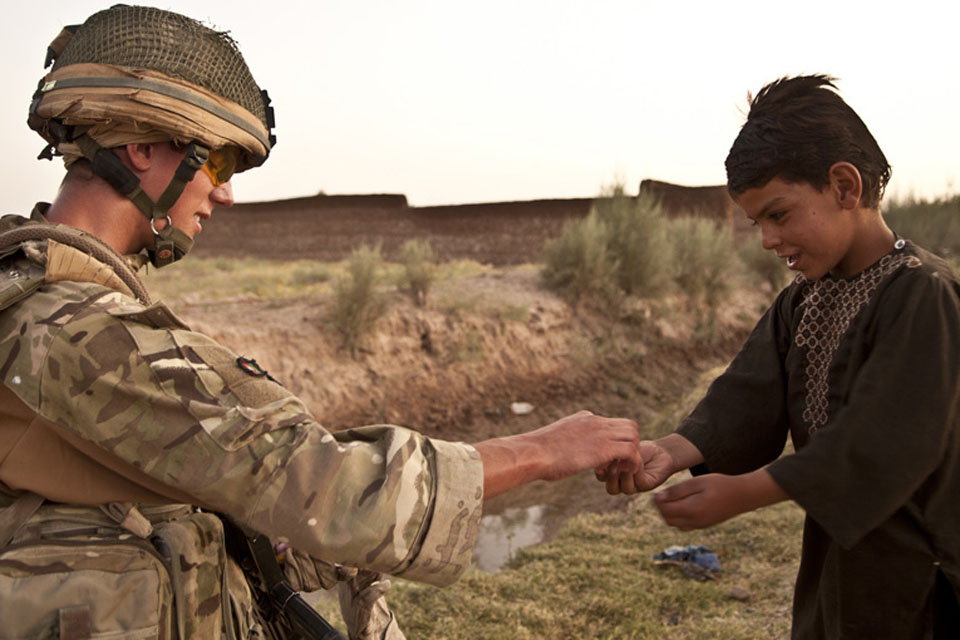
{"x": 777, "y": 215}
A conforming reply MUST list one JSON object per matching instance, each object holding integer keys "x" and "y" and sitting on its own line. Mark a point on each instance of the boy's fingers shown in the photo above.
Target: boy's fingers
{"x": 676, "y": 492}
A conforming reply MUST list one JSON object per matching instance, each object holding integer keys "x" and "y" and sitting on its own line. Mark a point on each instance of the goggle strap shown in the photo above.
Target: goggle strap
{"x": 111, "y": 168}
{"x": 195, "y": 158}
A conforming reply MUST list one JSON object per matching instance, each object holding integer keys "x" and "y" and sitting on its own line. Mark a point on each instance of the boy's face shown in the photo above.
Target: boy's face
{"x": 805, "y": 226}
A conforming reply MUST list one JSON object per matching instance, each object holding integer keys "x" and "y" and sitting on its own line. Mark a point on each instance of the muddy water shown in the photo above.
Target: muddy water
{"x": 532, "y": 514}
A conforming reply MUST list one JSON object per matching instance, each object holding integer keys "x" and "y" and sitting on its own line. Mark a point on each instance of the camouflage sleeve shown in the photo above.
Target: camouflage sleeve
{"x": 191, "y": 414}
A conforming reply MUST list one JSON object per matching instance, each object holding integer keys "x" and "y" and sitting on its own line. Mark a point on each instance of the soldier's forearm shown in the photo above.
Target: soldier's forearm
{"x": 507, "y": 463}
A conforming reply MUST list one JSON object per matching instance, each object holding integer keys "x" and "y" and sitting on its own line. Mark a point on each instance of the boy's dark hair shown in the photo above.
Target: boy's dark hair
{"x": 796, "y": 130}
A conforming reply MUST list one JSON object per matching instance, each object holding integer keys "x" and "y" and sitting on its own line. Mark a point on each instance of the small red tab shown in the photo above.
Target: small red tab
{"x": 250, "y": 366}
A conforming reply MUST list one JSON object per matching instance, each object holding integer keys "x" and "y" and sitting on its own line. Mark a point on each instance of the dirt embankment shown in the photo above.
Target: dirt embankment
{"x": 453, "y": 368}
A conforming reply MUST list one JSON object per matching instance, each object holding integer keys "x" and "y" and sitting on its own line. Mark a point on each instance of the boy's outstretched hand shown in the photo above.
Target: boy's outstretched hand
{"x": 657, "y": 466}
{"x": 713, "y": 498}
{"x": 661, "y": 459}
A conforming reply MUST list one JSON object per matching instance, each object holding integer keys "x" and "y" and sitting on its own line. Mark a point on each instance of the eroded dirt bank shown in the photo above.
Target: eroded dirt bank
{"x": 453, "y": 368}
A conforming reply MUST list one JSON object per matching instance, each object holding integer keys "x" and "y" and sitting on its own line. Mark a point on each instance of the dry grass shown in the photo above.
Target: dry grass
{"x": 598, "y": 579}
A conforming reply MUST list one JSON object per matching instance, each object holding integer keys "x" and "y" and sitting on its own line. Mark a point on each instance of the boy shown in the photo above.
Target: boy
{"x": 858, "y": 360}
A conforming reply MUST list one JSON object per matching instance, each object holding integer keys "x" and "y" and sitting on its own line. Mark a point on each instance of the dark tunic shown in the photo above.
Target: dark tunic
{"x": 864, "y": 373}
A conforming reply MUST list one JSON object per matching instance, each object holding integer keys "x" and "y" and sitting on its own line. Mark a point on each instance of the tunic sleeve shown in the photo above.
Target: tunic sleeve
{"x": 741, "y": 423}
{"x": 898, "y": 411}
{"x": 175, "y": 405}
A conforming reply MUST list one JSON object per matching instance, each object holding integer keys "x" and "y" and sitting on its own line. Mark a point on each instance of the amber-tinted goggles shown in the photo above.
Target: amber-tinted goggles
{"x": 220, "y": 165}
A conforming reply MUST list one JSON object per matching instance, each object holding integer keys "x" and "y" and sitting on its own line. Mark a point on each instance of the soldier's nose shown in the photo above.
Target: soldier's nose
{"x": 222, "y": 195}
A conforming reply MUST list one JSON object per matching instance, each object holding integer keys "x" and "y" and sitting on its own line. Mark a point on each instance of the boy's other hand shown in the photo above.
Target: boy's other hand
{"x": 699, "y": 502}
{"x": 713, "y": 498}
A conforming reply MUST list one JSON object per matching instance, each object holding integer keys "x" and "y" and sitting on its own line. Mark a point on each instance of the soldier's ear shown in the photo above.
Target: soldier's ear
{"x": 138, "y": 156}
{"x": 846, "y": 184}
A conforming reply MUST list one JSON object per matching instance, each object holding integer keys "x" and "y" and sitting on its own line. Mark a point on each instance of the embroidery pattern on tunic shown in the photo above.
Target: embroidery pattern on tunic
{"x": 829, "y": 306}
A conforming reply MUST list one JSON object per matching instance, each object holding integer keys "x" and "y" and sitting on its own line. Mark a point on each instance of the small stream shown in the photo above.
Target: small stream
{"x": 501, "y": 535}
{"x": 532, "y": 514}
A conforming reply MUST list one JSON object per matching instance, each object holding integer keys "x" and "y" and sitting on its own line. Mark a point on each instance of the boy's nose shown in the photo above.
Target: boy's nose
{"x": 770, "y": 239}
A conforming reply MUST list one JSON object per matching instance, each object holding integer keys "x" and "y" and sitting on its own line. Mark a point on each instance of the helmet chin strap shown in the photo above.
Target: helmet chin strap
{"x": 170, "y": 243}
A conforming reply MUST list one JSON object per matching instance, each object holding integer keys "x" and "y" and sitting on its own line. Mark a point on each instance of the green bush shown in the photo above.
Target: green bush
{"x": 703, "y": 257}
{"x": 638, "y": 241}
{"x": 932, "y": 224}
{"x": 419, "y": 262}
{"x": 620, "y": 247}
{"x": 626, "y": 245}
{"x": 357, "y": 304}
{"x": 579, "y": 263}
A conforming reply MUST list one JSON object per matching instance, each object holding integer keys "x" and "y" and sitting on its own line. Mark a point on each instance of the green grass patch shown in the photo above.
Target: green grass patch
{"x": 217, "y": 278}
{"x": 597, "y": 579}
{"x": 513, "y": 313}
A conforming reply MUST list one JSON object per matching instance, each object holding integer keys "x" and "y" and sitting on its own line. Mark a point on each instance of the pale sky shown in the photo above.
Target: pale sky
{"x": 451, "y": 102}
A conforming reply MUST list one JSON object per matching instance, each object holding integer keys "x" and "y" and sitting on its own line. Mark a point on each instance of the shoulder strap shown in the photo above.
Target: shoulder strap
{"x": 16, "y": 515}
{"x": 82, "y": 241}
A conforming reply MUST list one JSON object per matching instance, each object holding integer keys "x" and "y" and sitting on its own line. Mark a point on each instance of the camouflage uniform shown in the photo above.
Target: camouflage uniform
{"x": 105, "y": 400}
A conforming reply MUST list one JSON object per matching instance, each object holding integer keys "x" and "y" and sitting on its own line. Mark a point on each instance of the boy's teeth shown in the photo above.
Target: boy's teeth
{"x": 791, "y": 260}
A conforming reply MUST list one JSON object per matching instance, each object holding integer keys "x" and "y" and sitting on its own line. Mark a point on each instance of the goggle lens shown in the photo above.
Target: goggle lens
{"x": 221, "y": 165}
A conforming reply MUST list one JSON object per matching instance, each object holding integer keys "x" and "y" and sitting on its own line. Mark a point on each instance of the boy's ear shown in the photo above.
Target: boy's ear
{"x": 846, "y": 184}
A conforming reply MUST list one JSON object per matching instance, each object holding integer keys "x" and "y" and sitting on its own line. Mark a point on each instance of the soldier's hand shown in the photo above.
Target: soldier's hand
{"x": 657, "y": 465}
{"x": 587, "y": 441}
{"x": 572, "y": 444}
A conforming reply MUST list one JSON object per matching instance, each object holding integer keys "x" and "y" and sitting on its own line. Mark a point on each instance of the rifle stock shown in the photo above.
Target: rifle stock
{"x": 284, "y": 609}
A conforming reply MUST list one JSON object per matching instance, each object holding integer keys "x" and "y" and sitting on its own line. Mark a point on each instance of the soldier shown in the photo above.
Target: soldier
{"x": 124, "y": 434}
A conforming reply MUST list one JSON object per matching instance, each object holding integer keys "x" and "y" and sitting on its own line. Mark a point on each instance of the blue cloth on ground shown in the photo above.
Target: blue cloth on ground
{"x": 698, "y": 554}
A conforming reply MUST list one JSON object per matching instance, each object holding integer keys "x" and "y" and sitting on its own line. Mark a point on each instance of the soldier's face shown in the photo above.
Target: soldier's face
{"x": 199, "y": 197}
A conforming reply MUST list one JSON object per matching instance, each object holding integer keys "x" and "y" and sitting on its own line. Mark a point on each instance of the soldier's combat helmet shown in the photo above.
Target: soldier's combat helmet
{"x": 133, "y": 74}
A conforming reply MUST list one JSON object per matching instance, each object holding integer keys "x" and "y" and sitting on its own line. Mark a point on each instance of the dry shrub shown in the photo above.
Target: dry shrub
{"x": 637, "y": 240}
{"x": 703, "y": 257}
{"x": 579, "y": 264}
{"x": 357, "y": 303}
{"x": 419, "y": 262}
{"x": 621, "y": 247}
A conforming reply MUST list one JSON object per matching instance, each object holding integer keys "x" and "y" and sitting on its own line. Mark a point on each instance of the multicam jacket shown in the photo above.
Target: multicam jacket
{"x": 106, "y": 399}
